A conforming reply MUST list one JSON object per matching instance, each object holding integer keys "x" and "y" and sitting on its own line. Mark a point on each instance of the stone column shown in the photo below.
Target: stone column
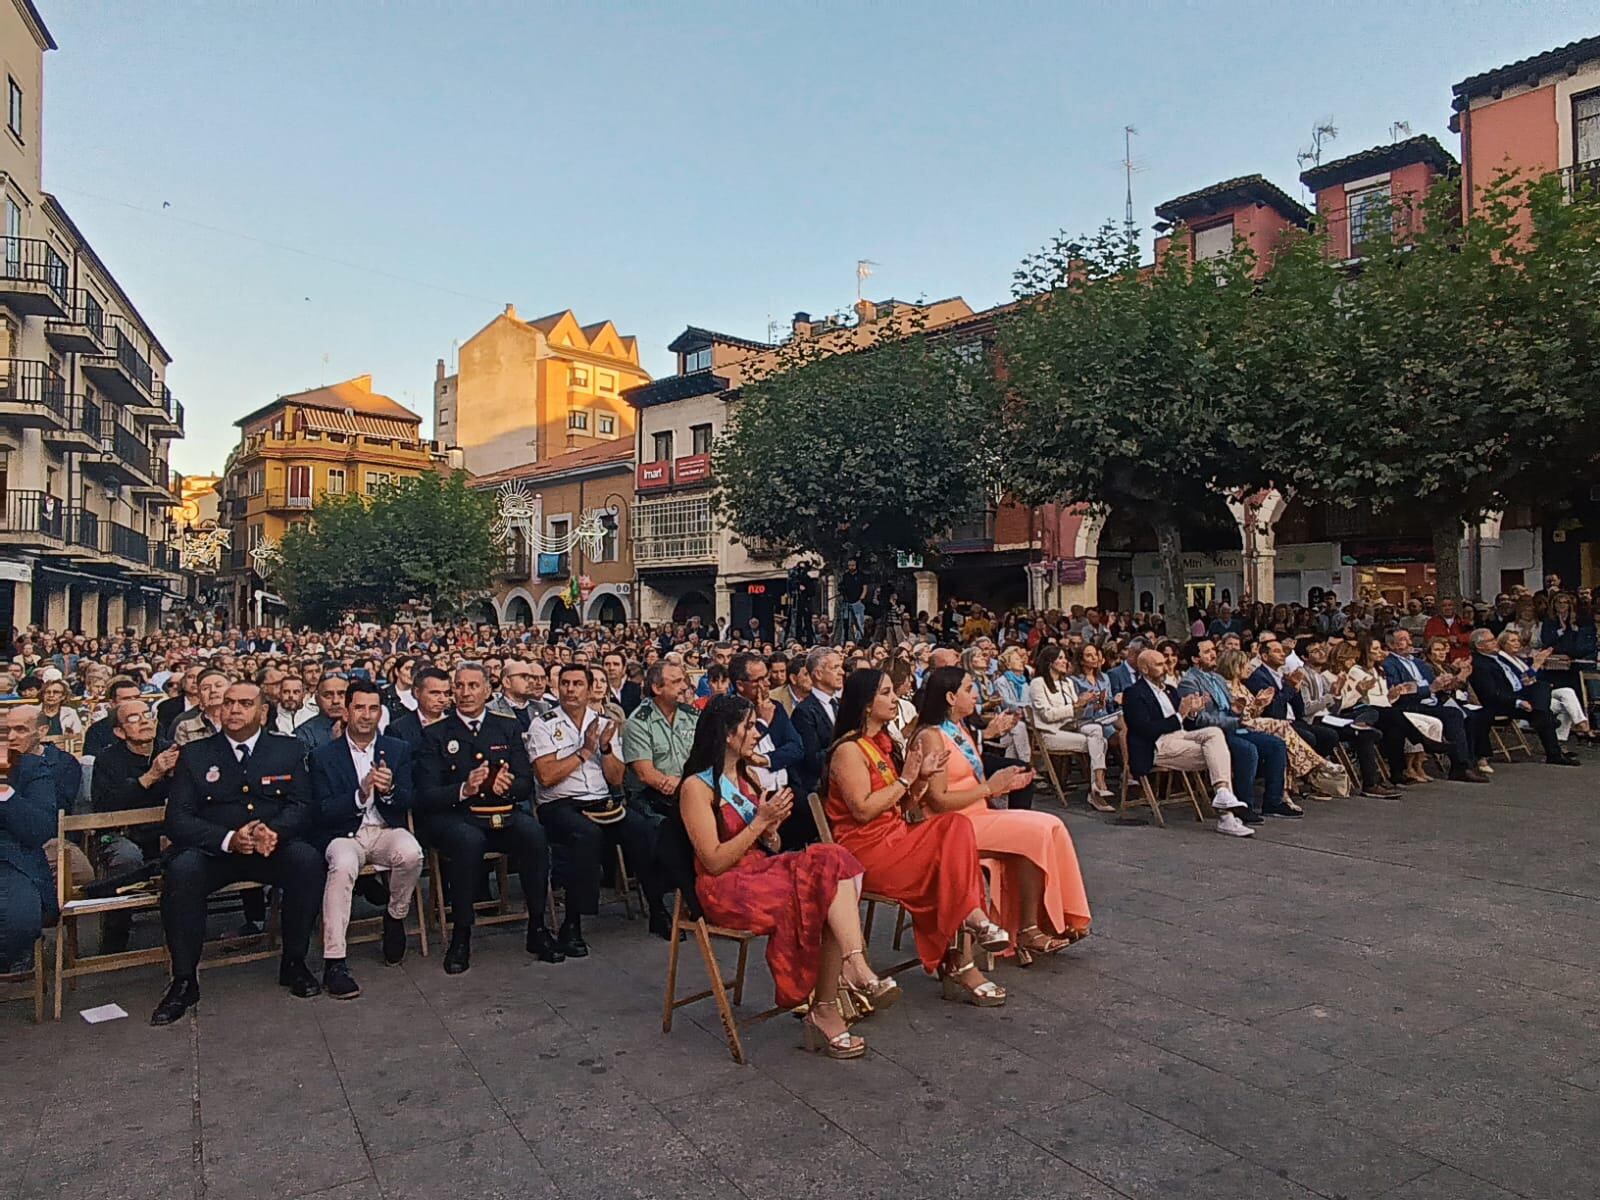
{"x": 55, "y": 605}
{"x": 116, "y": 610}
{"x": 90, "y": 618}
{"x": 724, "y": 600}
{"x": 927, "y": 592}
{"x": 22, "y": 603}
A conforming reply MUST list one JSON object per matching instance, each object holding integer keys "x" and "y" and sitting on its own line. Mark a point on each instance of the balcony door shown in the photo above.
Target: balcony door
{"x": 1586, "y": 129}
{"x": 299, "y": 487}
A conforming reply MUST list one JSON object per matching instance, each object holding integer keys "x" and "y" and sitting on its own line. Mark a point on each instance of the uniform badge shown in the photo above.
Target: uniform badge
{"x": 213, "y": 774}
{"x": 452, "y": 747}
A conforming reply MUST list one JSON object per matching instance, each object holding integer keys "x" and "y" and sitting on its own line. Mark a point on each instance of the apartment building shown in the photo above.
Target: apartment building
{"x": 86, "y": 417}
{"x": 340, "y": 439}
{"x": 525, "y": 391}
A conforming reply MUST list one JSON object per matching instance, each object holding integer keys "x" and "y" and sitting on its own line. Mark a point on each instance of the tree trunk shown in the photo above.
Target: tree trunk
{"x": 1447, "y": 557}
{"x": 1172, "y": 601}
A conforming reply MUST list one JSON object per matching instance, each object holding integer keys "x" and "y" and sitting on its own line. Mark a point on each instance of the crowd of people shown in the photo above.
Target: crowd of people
{"x": 295, "y": 760}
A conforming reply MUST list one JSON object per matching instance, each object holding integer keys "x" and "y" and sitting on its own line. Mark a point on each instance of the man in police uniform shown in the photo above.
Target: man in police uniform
{"x": 239, "y": 808}
{"x": 577, "y": 768}
{"x": 473, "y": 776}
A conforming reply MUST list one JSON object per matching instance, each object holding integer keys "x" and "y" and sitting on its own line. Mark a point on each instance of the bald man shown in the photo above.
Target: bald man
{"x": 1162, "y": 733}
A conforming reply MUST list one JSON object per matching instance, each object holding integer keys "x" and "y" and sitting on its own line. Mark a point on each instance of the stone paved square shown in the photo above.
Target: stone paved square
{"x": 1386, "y": 999}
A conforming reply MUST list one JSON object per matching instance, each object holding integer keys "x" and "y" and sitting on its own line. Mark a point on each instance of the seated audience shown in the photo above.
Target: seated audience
{"x": 1053, "y": 698}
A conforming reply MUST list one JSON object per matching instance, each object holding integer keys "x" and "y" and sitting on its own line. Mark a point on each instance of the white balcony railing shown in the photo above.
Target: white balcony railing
{"x": 673, "y": 532}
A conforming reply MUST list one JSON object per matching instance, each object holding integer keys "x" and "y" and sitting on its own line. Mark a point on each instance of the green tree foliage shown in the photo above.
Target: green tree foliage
{"x": 424, "y": 540}
{"x": 1120, "y": 387}
{"x": 1452, "y": 371}
{"x": 857, "y": 454}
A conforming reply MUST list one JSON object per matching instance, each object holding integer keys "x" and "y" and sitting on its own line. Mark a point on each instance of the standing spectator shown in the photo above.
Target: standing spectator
{"x": 852, "y": 602}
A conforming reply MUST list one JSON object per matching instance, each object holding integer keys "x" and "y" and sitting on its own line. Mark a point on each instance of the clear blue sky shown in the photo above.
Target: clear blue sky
{"x": 667, "y": 163}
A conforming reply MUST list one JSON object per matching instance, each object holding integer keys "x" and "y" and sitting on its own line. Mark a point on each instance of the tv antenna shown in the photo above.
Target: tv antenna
{"x": 1321, "y": 135}
{"x": 1128, "y": 168}
{"x": 1399, "y": 130}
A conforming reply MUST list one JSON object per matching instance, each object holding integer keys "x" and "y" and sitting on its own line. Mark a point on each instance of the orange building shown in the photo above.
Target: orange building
{"x": 525, "y": 391}
{"x": 1204, "y": 224}
{"x": 1359, "y": 195}
{"x": 343, "y": 438}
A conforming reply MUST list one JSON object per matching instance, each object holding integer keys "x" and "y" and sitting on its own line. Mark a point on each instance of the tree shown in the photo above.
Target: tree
{"x": 853, "y": 455}
{"x": 1120, "y": 387}
{"x": 1448, "y": 372}
{"x": 424, "y": 539}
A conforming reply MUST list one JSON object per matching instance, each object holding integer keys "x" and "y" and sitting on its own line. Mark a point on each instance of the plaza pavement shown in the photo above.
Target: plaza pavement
{"x": 1393, "y": 999}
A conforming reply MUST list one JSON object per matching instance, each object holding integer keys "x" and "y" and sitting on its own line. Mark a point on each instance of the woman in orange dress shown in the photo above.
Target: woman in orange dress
{"x": 807, "y": 902}
{"x": 931, "y": 868}
{"x": 1038, "y": 896}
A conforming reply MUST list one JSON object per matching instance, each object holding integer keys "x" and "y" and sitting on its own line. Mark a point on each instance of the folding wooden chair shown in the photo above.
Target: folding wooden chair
{"x": 1148, "y": 794}
{"x": 1044, "y": 759}
{"x": 29, "y": 984}
{"x": 902, "y": 919}
{"x": 496, "y": 910}
{"x": 703, "y": 932}
{"x": 69, "y": 964}
{"x": 1503, "y": 731}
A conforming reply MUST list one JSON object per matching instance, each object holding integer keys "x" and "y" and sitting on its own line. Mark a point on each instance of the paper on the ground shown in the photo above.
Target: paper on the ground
{"x": 106, "y": 1012}
{"x": 1337, "y": 722}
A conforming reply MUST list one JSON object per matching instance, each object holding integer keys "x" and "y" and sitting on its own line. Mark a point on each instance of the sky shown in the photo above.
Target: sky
{"x": 298, "y": 192}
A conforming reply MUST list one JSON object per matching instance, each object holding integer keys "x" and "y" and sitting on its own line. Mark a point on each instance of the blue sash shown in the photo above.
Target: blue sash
{"x": 731, "y": 795}
{"x": 964, "y": 744}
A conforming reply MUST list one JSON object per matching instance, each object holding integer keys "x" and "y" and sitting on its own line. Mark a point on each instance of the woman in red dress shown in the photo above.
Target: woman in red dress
{"x": 806, "y": 902}
{"x": 930, "y": 868}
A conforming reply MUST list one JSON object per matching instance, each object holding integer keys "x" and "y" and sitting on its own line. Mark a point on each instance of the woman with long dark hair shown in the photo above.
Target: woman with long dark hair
{"x": 1040, "y": 887}
{"x": 805, "y": 901}
{"x": 1063, "y": 722}
{"x": 930, "y": 868}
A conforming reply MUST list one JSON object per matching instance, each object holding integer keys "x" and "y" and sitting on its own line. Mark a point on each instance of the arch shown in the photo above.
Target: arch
{"x": 695, "y": 603}
{"x": 550, "y": 602}
{"x": 605, "y": 599}
{"x": 515, "y": 600}
{"x": 1091, "y": 522}
{"x": 482, "y": 612}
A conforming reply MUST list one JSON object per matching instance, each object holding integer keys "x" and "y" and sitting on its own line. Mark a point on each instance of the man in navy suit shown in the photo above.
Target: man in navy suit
{"x": 1415, "y": 676}
{"x": 361, "y": 790}
{"x": 780, "y": 743}
{"x": 1287, "y": 703}
{"x": 1124, "y": 675}
{"x": 27, "y": 822}
{"x": 813, "y": 719}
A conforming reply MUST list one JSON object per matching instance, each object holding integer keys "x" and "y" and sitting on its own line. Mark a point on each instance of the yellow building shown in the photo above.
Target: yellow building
{"x": 526, "y": 391}
{"x": 343, "y": 438}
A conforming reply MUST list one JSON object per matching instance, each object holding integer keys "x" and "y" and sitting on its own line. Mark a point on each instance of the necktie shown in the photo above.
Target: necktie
{"x": 473, "y": 725}
{"x": 244, "y": 754}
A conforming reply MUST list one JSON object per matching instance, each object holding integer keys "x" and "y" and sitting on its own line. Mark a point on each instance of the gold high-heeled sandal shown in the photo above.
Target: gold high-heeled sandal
{"x": 1039, "y": 942}
{"x": 880, "y": 993}
{"x": 840, "y": 1045}
{"x": 987, "y": 994}
{"x": 990, "y": 936}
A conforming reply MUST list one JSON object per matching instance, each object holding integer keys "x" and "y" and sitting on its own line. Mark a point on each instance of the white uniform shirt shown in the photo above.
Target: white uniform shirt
{"x": 556, "y": 734}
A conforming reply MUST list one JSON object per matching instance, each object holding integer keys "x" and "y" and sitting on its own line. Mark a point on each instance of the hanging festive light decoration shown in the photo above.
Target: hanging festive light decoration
{"x": 201, "y": 550}
{"x": 267, "y": 557}
{"x": 517, "y": 514}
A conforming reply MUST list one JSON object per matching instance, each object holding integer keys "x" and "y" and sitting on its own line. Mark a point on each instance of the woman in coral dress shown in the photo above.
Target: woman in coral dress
{"x": 1037, "y": 895}
{"x": 806, "y": 902}
{"x": 931, "y": 868}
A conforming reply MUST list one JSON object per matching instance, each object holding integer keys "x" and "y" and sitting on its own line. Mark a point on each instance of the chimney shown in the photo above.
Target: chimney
{"x": 866, "y": 312}
{"x": 802, "y": 324}
{"x": 511, "y": 311}
{"x": 364, "y": 382}
{"x": 438, "y": 371}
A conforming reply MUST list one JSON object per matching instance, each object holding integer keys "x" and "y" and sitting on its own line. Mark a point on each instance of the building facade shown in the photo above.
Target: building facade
{"x": 86, "y": 417}
{"x": 525, "y": 391}
{"x": 546, "y": 576}
{"x": 341, "y": 439}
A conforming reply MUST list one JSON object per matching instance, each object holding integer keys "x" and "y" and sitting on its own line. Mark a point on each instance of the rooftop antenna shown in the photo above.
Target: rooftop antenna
{"x": 1128, "y": 168}
{"x": 1398, "y": 130}
{"x": 863, "y": 273}
{"x": 1321, "y": 134}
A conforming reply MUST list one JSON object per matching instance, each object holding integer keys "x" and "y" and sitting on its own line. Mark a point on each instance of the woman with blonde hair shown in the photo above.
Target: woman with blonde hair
{"x": 1233, "y": 666}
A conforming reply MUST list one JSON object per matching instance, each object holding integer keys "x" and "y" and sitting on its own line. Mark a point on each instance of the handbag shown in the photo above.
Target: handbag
{"x": 1330, "y": 781}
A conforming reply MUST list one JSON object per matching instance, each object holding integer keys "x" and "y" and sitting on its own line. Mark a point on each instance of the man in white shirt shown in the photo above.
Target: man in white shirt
{"x": 577, "y": 769}
{"x": 361, "y": 788}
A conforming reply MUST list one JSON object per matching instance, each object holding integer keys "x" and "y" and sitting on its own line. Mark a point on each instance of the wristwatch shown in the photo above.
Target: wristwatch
{"x": 903, "y": 782}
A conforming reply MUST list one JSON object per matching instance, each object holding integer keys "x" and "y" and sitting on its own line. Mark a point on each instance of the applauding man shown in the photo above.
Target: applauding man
{"x": 361, "y": 785}
{"x": 238, "y": 809}
{"x": 472, "y": 779}
{"x": 575, "y": 756}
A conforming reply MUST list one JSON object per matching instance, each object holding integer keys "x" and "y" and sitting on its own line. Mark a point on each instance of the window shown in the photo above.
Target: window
{"x": 1586, "y": 129}
{"x": 253, "y": 535}
{"x": 14, "y": 107}
{"x": 607, "y": 382}
{"x": 608, "y": 540}
{"x": 702, "y": 439}
{"x": 1369, "y": 217}
{"x": 578, "y": 419}
{"x": 336, "y": 481}
{"x": 299, "y": 487}
{"x": 663, "y": 443}
{"x": 697, "y": 360}
{"x": 1214, "y": 242}
{"x": 578, "y": 377}
{"x": 376, "y": 480}
{"x": 606, "y": 425}
{"x": 258, "y": 480}
{"x": 13, "y": 238}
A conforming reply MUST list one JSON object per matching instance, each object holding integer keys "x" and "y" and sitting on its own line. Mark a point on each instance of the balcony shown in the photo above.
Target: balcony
{"x": 85, "y": 534}
{"x": 35, "y": 519}
{"x": 168, "y": 418}
{"x": 81, "y": 428}
{"x": 274, "y": 499}
{"x": 517, "y": 564}
{"x": 973, "y": 531}
{"x": 158, "y": 488}
{"x": 31, "y": 394}
{"x": 1582, "y": 180}
{"x": 673, "y": 533}
{"x": 130, "y": 544}
{"x": 120, "y": 369}
{"x": 33, "y": 277}
{"x": 81, "y": 329}
{"x": 554, "y": 566}
{"x": 123, "y": 457}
